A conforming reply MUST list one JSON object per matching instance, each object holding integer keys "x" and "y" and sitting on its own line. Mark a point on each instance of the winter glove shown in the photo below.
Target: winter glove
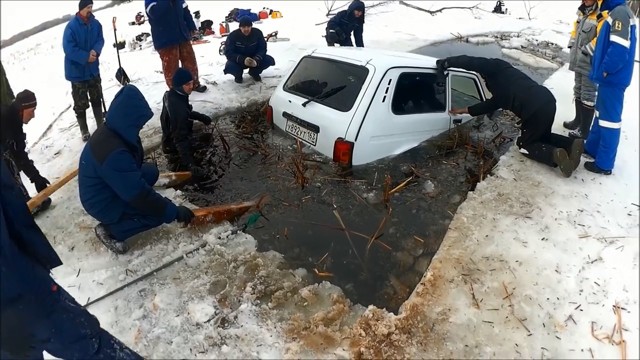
{"x": 205, "y": 120}
{"x": 442, "y": 65}
{"x": 185, "y": 215}
{"x": 250, "y": 62}
{"x": 341, "y": 34}
{"x": 257, "y": 59}
{"x": 41, "y": 183}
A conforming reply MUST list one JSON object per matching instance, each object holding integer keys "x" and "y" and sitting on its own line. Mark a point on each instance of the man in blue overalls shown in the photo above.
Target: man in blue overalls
{"x": 612, "y": 71}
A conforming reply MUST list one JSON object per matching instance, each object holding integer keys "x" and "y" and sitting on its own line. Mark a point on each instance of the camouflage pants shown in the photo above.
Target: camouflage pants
{"x": 173, "y": 55}
{"x": 85, "y": 93}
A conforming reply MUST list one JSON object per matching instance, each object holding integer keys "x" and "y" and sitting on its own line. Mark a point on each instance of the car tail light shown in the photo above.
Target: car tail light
{"x": 269, "y": 115}
{"x": 343, "y": 152}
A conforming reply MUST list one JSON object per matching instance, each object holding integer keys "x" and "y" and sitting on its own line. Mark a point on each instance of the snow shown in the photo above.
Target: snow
{"x": 561, "y": 247}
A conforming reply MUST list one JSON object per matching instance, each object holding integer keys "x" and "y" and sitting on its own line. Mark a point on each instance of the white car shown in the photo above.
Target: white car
{"x": 358, "y": 105}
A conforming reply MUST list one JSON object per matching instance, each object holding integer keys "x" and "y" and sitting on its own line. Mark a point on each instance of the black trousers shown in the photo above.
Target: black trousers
{"x": 536, "y": 140}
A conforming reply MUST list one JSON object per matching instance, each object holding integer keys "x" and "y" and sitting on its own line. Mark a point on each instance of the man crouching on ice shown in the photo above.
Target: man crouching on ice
{"x": 116, "y": 186}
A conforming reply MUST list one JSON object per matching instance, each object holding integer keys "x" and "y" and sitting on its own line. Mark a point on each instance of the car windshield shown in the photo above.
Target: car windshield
{"x": 314, "y": 76}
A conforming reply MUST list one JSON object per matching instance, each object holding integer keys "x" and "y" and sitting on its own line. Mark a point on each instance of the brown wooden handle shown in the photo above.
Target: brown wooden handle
{"x": 44, "y": 194}
{"x": 114, "y": 24}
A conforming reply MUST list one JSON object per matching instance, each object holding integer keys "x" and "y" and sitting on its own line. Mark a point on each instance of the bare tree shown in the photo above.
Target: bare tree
{"x": 528, "y": 7}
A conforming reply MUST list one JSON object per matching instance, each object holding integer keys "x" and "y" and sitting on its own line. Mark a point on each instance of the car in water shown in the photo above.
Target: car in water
{"x": 358, "y": 105}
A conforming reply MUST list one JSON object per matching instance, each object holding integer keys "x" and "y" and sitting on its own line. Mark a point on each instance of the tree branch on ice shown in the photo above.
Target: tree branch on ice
{"x": 437, "y": 11}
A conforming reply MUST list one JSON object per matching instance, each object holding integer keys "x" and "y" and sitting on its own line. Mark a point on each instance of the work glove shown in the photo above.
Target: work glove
{"x": 205, "y": 120}
{"x": 185, "y": 215}
{"x": 41, "y": 183}
{"x": 250, "y": 62}
{"x": 197, "y": 172}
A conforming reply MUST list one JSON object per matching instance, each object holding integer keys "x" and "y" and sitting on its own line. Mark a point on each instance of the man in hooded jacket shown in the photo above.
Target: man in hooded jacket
{"x": 533, "y": 103}
{"x": 340, "y": 27}
{"x": 176, "y": 120}
{"x": 37, "y": 314}
{"x": 116, "y": 185}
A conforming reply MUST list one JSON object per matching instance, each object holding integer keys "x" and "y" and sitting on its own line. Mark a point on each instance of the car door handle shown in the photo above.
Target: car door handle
{"x": 457, "y": 121}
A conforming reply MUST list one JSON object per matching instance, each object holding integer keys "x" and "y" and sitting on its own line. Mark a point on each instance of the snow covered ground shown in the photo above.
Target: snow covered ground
{"x": 565, "y": 249}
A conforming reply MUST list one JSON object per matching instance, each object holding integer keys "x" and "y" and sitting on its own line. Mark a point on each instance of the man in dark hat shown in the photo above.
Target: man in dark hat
{"x": 340, "y": 27}
{"x": 82, "y": 42}
{"x": 533, "y": 103}
{"x": 177, "y": 122}
{"x": 246, "y": 48}
{"x": 13, "y": 144}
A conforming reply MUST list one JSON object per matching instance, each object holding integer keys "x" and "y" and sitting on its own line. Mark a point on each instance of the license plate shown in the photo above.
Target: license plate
{"x": 302, "y": 133}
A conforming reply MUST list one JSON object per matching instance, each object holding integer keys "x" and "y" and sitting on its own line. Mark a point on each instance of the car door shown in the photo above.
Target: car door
{"x": 464, "y": 89}
{"x": 408, "y": 108}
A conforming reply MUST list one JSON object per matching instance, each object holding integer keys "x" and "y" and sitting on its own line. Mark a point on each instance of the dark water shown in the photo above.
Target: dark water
{"x": 390, "y": 241}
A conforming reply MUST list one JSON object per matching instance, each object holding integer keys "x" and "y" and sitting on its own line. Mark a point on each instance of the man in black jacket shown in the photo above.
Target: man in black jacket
{"x": 176, "y": 120}
{"x": 340, "y": 27}
{"x": 533, "y": 103}
{"x": 246, "y": 48}
{"x": 14, "y": 116}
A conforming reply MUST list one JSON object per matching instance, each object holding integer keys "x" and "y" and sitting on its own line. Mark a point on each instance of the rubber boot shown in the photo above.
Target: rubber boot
{"x": 561, "y": 159}
{"x": 577, "y": 120}
{"x": 97, "y": 113}
{"x": 577, "y": 148}
{"x": 586, "y": 117}
{"x": 81, "y": 116}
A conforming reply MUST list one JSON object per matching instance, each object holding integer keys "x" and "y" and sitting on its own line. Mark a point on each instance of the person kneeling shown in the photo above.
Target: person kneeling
{"x": 116, "y": 185}
{"x": 176, "y": 120}
{"x": 246, "y": 48}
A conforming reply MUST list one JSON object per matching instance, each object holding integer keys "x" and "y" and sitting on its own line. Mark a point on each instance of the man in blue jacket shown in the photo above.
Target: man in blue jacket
{"x": 345, "y": 22}
{"x": 116, "y": 186}
{"x": 246, "y": 48}
{"x": 172, "y": 28}
{"x": 612, "y": 69}
{"x": 82, "y": 42}
{"x": 36, "y": 313}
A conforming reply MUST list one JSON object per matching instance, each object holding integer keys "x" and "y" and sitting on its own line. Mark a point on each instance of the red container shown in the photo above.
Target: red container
{"x": 263, "y": 14}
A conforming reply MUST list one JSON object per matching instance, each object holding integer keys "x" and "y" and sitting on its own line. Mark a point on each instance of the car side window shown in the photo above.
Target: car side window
{"x": 418, "y": 93}
{"x": 464, "y": 91}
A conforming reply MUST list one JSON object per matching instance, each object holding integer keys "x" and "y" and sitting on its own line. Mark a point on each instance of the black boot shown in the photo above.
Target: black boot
{"x": 591, "y": 166}
{"x": 118, "y": 247}
{"x": 586, "y": 117}
{"x": 81, "y": 116}
{"x": 577, "y": 148}
{"x": 575, "y": 123}
{"x": 98, "y": 114}
{"x": 561, "y": 159}
{"x": 42, "y": 207}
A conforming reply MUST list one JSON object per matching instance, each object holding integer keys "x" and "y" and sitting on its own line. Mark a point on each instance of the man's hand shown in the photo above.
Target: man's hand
{"x": 41, "y": 183}
{"x": 442, "y": 65}
{"x": 205, "y": 120}
{"x": 92, "y": 56}
{"x": 185, "y": 215}
{"x": 250, "y": 62}
{"x": 459, "y": 111}
{"x": 197, "y": 172}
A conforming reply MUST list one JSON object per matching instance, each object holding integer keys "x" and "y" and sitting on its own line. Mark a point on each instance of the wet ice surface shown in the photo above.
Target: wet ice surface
{"x": 389, "y": 243}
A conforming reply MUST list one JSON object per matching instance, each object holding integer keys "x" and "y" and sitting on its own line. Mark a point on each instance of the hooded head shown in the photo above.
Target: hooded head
{"x": 357, "y": 9}
{"x": 183, "y": 81}
{"x": 608, "y": 5}
{"x": 128, "y": 113}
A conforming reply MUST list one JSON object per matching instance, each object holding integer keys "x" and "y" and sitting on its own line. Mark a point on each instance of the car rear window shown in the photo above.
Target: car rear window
{"x": 314, "y": 76}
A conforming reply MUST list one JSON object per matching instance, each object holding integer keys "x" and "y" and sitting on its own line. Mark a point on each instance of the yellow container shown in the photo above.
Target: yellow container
{"x": 276, "y": 14}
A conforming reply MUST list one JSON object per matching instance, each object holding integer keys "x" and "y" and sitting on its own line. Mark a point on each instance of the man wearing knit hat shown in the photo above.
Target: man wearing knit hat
{"x": 177, "y": 123}
{"x": 246, "y": 48}
{"x": 172, "y": 27}
{"x": 82, "y": 42}
{"x": 13, "y": 144}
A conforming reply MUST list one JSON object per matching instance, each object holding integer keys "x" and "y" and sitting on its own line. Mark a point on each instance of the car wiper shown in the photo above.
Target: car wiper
{"x": 327, "y": 94}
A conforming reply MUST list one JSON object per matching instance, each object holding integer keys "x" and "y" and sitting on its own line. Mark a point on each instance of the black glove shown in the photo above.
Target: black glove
{"x": 185, "y": 215}
{"x": 205, "y": 120}
{"x": 340, "y": 33}
{"x": 41, "y": 183}
{"x": 197, "y": 172}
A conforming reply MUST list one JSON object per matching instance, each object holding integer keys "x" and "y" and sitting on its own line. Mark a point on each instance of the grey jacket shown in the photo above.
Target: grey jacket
{"x": 583, "y": 38}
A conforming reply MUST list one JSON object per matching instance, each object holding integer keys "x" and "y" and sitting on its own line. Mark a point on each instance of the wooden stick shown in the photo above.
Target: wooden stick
{"x": 44, "y": 194}
{"x": 172, "y": 179}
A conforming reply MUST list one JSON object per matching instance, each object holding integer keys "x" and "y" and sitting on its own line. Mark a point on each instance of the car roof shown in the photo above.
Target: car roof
{"x": 377, "y": 57}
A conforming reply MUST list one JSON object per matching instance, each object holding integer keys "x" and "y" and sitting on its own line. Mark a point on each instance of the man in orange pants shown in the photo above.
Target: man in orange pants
{"x": 172, "y": 27}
